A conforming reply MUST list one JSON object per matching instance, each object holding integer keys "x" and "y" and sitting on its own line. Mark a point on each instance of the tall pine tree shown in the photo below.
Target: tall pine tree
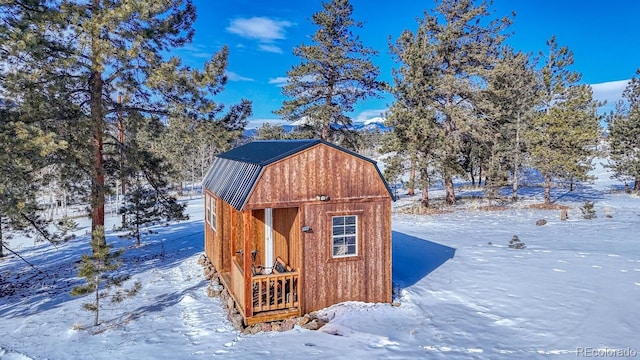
{"x": 458, "y": 44}
{"x": 98, "y": 49}
{"x": 334, "y": 74}
{"x": 417, "y": 136}
{"x": 510, "y": 100}
{"x": 565, "y": 134}
{"x": 624, "y": 135}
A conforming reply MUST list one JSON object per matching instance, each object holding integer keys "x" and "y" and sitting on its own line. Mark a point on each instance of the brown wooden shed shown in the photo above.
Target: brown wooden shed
{"x": 294, "y": 226}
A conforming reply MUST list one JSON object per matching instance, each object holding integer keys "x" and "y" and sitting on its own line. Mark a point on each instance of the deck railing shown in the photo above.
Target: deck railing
{"x": 275, "y": 291}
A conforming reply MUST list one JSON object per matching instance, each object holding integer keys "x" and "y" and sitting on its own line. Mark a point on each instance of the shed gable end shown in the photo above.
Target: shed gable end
{"x": 319, "y": 170}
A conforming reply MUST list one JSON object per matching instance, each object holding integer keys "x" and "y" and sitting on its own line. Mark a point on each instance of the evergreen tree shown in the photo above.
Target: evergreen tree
{"x": 271, "y": 132}
{"x": 457, "y": 46}
{"x": 96, "y": 49}
{"x": 190, "y": 144}
{"x": 28, "y": 139}
{"x": 99, "y": 272}
{"x": 565, "y": 134}
{"x": 334, "y": 74}
{"x": 145, "y": 174}
{"x": 415, "y": 130}
{"x": 510, "y": 96}
{"x": 624, "y": 135}
{"x": 26, "y": 149}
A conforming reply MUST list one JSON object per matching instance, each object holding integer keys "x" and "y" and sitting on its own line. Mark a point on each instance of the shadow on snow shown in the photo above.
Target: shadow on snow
{"x": 414, "y": 258}
{"x": 25, "y": 291}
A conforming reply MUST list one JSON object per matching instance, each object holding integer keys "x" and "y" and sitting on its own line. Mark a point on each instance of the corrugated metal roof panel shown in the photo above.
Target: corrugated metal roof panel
{"x": 265, "y": 152}
{"x": 232, "y": 180}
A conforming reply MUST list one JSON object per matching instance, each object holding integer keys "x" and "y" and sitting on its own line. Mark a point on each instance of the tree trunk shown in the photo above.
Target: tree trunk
{"x": 425, "y": 197}
{"x": 473, "y": 177}
{"x": 96, "y": 319}
{"x": 450, "y": 196}
{"x": 514, "y": 194}
{"x": 412, "y": 179}
{"x": 97, "y": 185}
{"x": 636, "y": 183}
{"x": 97, "y": 117}
{"x": 1, "y": 241}
{"x": 137, "y": 233}
{"x": 425, "y": 188}
{"x": 547, "y": 189}
{"x": 516, "y": 161}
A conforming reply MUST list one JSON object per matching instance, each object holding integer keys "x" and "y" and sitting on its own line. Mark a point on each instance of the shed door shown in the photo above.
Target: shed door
{"x": 268, "y": 239}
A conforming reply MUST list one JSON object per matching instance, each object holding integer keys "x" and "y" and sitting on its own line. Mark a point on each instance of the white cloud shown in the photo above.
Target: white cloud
{"x": 235, "y": 77}
{"x": 610, "y": 91}
{"x": 279, "y": 81}
{"x": 270, "y": 48}
{"x": 196, "y": 50}
{"x": 259, "y": 28}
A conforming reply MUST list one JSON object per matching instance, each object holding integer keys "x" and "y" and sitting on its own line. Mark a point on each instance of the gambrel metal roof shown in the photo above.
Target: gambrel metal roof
{"x": 234, "y": 173}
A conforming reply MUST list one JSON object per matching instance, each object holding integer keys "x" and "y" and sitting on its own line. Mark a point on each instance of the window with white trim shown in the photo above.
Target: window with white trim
{"x": 213, "y": 213}
{"x": 344, "y": 230}
{"x": 207, "y": 203}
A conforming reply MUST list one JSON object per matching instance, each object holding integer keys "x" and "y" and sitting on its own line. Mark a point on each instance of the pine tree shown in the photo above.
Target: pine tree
{"x": 190, "y": 144}
{"x": 457, "y": 44}
{"x": 624, "y": 135}
{"x": 99, "y": 272}
{"x": 565, "y": 134}
{"x": 271, "y": 132}
{"x": 334, "y": 74}
{"x": 510, "y": 100}
{"x": 26, "y": 149}
{"x": 145, "y": 173}
{"x": 417, "y": 136}
{"x": 95, "y": 50}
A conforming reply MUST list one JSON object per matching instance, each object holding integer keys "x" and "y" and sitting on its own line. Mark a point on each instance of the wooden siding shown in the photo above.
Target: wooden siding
{"x": 213, "y": 243}
{"x": 319, "y": 170}
{"x": 237, "y": 285}
{"x": 366, "y": 277}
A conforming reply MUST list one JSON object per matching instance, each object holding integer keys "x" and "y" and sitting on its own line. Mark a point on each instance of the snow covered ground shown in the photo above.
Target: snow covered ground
{"x": 464, "y": 294}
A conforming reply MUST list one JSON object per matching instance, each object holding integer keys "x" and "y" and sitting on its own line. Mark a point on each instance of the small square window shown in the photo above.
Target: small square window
{"x": 344, "y": 230}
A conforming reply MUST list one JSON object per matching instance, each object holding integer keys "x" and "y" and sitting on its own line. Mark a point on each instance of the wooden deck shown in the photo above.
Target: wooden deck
{"x": 275, "y": 297}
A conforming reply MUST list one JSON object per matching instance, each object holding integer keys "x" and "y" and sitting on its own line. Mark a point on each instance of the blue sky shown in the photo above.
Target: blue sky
{"x": 604, "y": 36}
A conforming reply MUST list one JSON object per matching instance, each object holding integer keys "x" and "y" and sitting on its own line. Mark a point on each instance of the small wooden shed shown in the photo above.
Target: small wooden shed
{"x": 294, "y": 226}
